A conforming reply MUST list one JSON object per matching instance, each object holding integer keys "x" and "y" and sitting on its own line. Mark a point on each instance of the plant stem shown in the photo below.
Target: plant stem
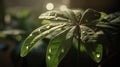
{"x": 79, "y": 41}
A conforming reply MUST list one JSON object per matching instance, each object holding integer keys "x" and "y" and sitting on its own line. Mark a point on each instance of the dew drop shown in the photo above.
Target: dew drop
{"x": 83, "y": 32}
{"x": 56, "y": 18}
{"x": 38, "y": 29}
{"x": 48, "y": 57}
{"x": 55, "y": 14}
{"x": 49, "y": 50}
{"x": 27, "y": 47}
{"x": 62, "y": 50}
{"x": 97, "y": 55}
{"x": 30, "y": 34}
{"x": 48, "y": 27}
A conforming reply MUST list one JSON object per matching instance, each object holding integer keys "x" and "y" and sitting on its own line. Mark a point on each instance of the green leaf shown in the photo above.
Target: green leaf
{"x": 106, "y": 26}
{"x": 57, "y": 49}
{"x": 36, "y": 36}
{"x": 82, "y": 47}
{"x": 90, "y": 39}
{"x": 64, "y": 16}
{"x": 45, "y": 22}
{"x": 71, "y": 32}
{"x": 78, "y": 14}
{"x": 89, "y": 15}
{"x": 88, "y": 34}
{"x": 54, "y": 16}
{"x": 103, "y": 15}
{"x": 95, "y": 51}
{"x": 71, "y": 15}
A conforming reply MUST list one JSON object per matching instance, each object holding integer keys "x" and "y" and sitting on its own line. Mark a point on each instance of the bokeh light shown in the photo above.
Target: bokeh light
{"x": 50, "y": 6}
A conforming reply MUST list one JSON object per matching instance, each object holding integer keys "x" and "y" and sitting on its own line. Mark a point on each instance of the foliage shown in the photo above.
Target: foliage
{"x": 24, "y": 21}
{"x": 66, "y": 28}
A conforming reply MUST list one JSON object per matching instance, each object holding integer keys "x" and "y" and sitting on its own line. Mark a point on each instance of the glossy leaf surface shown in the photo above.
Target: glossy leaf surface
{"x": 57, "y": 49}
{"x": 67, "y": 22}
{"x": 95, "y": 51}
{"x": 36, "y": 36}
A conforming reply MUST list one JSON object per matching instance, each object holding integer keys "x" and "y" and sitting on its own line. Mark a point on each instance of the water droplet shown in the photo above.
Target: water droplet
{"x": 38, "y": 29}
{"x": 27, "y": 47}
{"x": 49, "y": 50}
{"x": 83, "y": 32}
{"x": 56, "y": 18}
{"x": 30, "y": 34}
{"x": 97, "y": 55}
{"x": 48, "y": 57}
{"x": 48, "y": 27}
{"x": 55, "y": 14}
{"x": 62, "y": 50}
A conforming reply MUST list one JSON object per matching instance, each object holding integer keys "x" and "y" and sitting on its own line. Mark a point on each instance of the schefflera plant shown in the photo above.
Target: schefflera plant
{"x": 66, "y": 28}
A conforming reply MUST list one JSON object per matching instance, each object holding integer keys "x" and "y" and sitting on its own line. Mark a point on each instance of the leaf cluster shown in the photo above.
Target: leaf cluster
{"x": 67, "y": 28}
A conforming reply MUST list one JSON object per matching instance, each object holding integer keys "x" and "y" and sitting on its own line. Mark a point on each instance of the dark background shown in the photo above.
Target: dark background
{"x": 10, "y": 46}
